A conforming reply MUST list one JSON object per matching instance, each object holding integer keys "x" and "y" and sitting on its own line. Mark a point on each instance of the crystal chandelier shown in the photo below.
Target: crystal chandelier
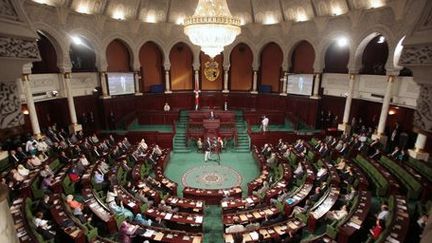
{"x": 212, "y": 26}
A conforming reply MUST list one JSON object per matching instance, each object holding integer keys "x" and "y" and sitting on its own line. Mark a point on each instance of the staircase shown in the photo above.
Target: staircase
{"x": 179, "y": 140}
{"x": 243, "y": 140}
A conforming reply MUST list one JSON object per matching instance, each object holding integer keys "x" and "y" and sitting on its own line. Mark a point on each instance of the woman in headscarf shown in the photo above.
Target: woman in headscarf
{"x": 141, "y": 220}
{"x": 126, "y": 232}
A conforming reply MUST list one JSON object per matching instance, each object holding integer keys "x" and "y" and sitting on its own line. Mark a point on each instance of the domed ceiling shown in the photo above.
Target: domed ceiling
{"x": 265, "y": 12}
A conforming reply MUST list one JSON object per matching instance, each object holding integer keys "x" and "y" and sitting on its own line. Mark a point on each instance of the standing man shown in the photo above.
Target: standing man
{"x": 207, "y": 149}
{"x": 264, "y": 124}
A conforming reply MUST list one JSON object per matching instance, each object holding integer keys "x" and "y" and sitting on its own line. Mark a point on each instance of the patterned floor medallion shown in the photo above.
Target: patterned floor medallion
{"x": 211, "y": 177}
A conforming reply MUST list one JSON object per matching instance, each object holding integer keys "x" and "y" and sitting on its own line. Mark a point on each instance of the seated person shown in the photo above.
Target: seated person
{"x": 337, "y": 214}
{"x": 156, "y": 153}
{"x": 298, "y": 209}
{"x": 127, "y": 232}
{"x": 287, "y": 152}
{"x": 350, "y": 196}
{"x": 262, "y": 190}
{"x": 44, "y": 227}
{"x": 382, "y": 215}
{"x": 112, "y": 204}
{"x": 298, "y": 172}
{"x": 76, "y": 207}
{"x": 23, "y": 171}
{"x": 322, "y": 173}
{"x": 44, "y": 205}
{"x": 94, "y": 139}
{"x": 267, "y": 151}
{"x": 236, "y": 227}
{"x": 83, "y": 161}
{"x": 98, "y": 177}
{"x": 126, "y": 143}
{"x": 74, "y": 174}
{"x": 317, "y": 194}
{"x": 47, "y": 183}
{"x": 272, "y": 161}
{"x": 16, "y": 176}
{"x": 142, "y": 145}
{"x": 341, "y": 165}
{"x": 139, "y": 219}
{"x": 33, "y": 162}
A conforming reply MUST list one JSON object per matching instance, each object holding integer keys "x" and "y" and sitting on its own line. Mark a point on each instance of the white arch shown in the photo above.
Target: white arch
{"x": 95, "y": 44}
{"x": 293, "y": 45}
{"x": 325, "y": 43}
{"x": 263, "y": 43}
{"x": 241, "y": 39}
{"x": 363, "y": 41}
{"x": 57, "y": 40}
{"x": 161, "y": 45}
{"x": 183, "y": 39}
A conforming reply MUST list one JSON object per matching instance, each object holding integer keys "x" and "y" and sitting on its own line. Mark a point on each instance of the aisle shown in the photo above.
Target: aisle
{"x": 213, "y": 227}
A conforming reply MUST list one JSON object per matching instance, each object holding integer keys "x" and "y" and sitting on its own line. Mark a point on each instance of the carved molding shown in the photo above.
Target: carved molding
{"x": 7, "y": 10}
{"x": 423, "y": 114}
{"x": 418, "y": 54}
{"x": 18, "y": 48}
{"x": 10, "y": 106}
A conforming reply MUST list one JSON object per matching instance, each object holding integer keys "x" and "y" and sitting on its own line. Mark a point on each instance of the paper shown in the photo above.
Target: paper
{"x": 254, "y": 235}
{"x": 168, "y": 216}
{"x": 148, "y": 233}
{"x": 199, "y": 219}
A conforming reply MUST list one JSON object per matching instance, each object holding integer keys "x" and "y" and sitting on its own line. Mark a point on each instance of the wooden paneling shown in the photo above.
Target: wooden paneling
{"x": 118, "y": 57}
{"x": 181, "y": 59}
{"x": 152, "y": 71}
{"x": 303, "y": 58}
{"x": 218, "y": 72}
{"x": 271, "y": 66}
{"x": 241, "y": 72}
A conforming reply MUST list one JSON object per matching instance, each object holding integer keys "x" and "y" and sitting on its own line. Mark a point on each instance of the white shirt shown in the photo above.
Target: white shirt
{"x": 29, "y": 146}
{"x": 111, "y": 196}
{"x": 167, "y": 107}
{"x": 265, "y": 121}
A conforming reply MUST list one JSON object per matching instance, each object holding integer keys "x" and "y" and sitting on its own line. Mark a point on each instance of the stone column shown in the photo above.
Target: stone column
{"x": 74, "y": 126}
{"x": 137, "y": 78}
{"x": 317, "y": 84}
{"x": 7, "y": 228}
{"x": 104, "y": 87}
{"x": 345, "y": 126}
{"x": 30, "y": 105}
{"x": 384, "y": 109}
{"x": 167, "y": 82}
{"x": 255, "y": 82}
{"x": 226, "y": 78}
{"x": 284, "y": 80}
{"x": 417, "y": 152}
{"x": 196, "y": 80}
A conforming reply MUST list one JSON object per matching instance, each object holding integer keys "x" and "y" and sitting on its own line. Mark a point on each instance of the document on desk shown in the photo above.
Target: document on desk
{"x": 254, "y": 235}
{"x": 168, "y": 216}
{"x": 159, "y": 236}
{"x": 148, "y": 233}
{"x": 224, "y": 204}
{"x": 199, "y": 219}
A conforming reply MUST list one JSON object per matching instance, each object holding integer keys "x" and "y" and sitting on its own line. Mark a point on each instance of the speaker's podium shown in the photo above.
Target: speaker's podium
{"x": 211, "y": 126}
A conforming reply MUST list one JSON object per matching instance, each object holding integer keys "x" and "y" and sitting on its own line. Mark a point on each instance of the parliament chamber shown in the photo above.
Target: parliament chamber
{"x": 215, "y": 121}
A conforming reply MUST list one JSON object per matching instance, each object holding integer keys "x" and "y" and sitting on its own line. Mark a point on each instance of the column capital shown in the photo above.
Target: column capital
{"x": 27, "y": 68}
{"x": 25, "y": 77}
{"x": 167, "y": 66}
{"x": 67, "y": 75}
{"x": 226, "y": 67}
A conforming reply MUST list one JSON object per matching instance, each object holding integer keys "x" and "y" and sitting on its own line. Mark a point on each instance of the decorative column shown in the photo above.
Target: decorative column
{"x": 417, "y": 152}
{"x": 137, "y": 78}
{"x": 74, "y": 127}
{"x": 384, "y": 109}
{"x": 317, "y": 84}
{"x": 196, "y": 79}
{"x": 345, "y": 126}
{"x": 103, "y": 82}
{"x": 284, "y": 80}
{"x": 226, "y": 78}
{"x": 7, "y": 228}
{"x": 167, "y": 81}
{"x": 30, "y": 105}
{"x": 255, "y": 82}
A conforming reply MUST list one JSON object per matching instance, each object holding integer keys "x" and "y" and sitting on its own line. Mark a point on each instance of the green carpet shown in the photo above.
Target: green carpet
{"x": 211, "y": 176}
{"x": 213, "y": 227}
{"x": 242, "y": 163}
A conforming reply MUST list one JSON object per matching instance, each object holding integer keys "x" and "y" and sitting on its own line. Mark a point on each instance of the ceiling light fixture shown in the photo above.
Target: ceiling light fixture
{"x": 381, "y": 40}
{"x": 342, "y": 42}
{"x": 212, "y": 27}
{"x": 77, "y": 40}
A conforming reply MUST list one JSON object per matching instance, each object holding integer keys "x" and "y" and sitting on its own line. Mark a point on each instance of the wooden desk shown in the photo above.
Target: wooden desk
{"x": 22, "y": 228}
{"x": 99, "y": 210}
{"x": 58, "y": 212}
{"x": 251, "y": 216}
{"x": 212, "y": 197}
{"x": 356, "y": 220}
{"x": 239, "y": 204}
{"x": 275, "y": 232}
